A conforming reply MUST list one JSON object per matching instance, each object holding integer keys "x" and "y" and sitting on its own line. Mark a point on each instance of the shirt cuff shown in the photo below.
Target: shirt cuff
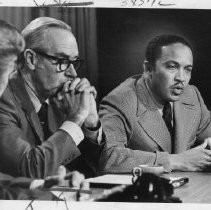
{"x": 37, "y": 184}
{"x": 94, "y": 135}
{"x": 73, "y": 130}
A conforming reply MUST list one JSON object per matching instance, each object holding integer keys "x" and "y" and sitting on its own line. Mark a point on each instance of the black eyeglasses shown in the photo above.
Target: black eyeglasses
{"x": 62, "y": 63}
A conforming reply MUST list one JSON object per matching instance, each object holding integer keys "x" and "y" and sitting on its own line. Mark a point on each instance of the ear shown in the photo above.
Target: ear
{"x": 147, "y": 67}
{"x": 30, "y": 58}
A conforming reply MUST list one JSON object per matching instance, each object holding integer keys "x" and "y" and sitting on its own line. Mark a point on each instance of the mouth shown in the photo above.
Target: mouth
{"x": 60, "y": 87}
{"x": 178, "y": 89}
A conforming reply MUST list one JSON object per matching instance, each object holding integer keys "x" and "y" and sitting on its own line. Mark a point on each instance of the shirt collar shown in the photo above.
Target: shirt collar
{"x": 159, "y": 106}
{"x": 34, "y": 99}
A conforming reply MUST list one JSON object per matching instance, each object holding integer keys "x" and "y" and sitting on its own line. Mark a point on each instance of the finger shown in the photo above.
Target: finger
{"x": 74, "y": 83}
{"x": 66, "y": 87}
{"x": 95, "y": 94}
{"x": 84, "y": 185}
{"x": 207, "y": 152}
{"x": 91, "y": 89}
{"x": 61, "y": 171}
{"x": 51, "y": 181}
{"x": 75, "y": 178}
{"x": 82, "y": 196}
{"x": 83, "y": 83}
{"x": 203, "y": 145}
{"x": 85, "y": 99}
{"x": 81, "y": 87}
{"x": 59, "y": 96}
{"x": 208, "y": 142}
{"x": 208, "y": 160}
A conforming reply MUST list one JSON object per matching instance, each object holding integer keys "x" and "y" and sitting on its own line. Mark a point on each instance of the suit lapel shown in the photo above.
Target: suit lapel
{"x": 21, "y": 95}
{"x": 150, "y": 119}
{"x": 184, "y": 114}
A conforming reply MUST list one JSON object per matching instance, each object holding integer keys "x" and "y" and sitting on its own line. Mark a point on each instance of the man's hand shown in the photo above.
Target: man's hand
{"x": 71, "y": 179}
{"x": 196, "y": 159}
{"x": 75, "y": 100}
{"x": 92, "y": 119}
{"x": 208, "y": 140}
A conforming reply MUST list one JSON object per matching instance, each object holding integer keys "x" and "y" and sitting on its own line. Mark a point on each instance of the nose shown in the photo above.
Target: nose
{"x": 71, "y": 72}
{"x": 180, "y": 75}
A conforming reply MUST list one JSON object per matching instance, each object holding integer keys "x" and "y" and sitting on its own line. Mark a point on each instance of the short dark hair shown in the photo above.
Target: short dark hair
{"x": 153, "y": 49}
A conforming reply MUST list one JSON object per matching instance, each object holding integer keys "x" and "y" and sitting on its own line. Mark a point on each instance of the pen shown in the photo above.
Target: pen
{"x": 68, "y": 189}
{"x": 179, "y": 182}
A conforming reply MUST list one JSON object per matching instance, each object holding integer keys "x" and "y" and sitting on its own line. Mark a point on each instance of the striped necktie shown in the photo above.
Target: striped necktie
{"x": 167, "y": 117}
{"x": 43, "y": 117}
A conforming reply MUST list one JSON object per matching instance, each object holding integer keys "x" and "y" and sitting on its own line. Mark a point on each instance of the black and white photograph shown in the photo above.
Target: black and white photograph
{"x": 105, "y": 107}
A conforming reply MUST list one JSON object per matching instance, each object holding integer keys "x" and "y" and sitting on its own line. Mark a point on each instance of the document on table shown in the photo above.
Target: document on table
{"x": 112, "y": 179}
{"x": 122, "y": 179}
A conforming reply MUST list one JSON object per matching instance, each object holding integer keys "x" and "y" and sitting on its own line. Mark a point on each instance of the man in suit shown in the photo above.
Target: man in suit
{"x": 157, "y": 118}
{"x": 11, "y": 45}
{"x": 37, "y": 136}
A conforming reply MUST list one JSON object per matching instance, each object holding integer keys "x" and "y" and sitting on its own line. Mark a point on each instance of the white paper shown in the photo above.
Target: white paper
{"x": 112, "y": 179}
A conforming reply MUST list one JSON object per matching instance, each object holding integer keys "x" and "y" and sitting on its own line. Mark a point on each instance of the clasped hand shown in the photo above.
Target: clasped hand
{"x": 77, "y": 101}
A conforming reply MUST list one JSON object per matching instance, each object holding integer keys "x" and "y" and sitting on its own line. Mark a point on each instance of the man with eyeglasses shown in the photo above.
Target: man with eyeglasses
{"x": 48, "y": 115}
{"x": 11, "y": 45}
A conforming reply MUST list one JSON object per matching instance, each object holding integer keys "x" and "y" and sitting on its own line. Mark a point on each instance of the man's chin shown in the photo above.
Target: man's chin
{"x": 55, "y": 91}
{"x": 174, "y": 98}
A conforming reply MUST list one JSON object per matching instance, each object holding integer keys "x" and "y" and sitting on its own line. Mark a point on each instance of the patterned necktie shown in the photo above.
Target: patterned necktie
{"x": 43, "y": 117}
{"x": 167, "y": 117}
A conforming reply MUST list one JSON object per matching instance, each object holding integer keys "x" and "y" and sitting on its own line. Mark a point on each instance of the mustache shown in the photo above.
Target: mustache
{"x": 178, "y": 85}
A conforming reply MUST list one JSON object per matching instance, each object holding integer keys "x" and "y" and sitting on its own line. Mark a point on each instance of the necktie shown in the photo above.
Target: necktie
{"x": 167, "y": 117}
{"x": 43, "y": 117}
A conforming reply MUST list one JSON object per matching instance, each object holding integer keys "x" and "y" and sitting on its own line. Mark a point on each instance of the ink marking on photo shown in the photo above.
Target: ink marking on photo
{"x": 148, "y": 3}
{"x": 30, "y": 206}
{"x": 62, "y": 3}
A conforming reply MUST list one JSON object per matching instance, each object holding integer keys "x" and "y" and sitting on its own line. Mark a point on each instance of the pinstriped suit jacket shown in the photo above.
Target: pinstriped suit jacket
{"x": 136, "y": 133}
{"x": 23, "y": 149}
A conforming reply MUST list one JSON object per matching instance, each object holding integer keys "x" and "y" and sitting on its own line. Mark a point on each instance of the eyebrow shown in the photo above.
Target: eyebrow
{"x": 175, "y": 62}
{"x": 190, "y": 66}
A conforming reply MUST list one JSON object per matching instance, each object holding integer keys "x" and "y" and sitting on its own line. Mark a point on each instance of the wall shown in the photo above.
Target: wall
{"x": 124, "y": 33}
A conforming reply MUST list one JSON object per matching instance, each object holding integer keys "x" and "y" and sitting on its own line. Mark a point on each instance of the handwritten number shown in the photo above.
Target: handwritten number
{"x": 162, "y": 4}
{"x": 153, "y": 2}
{"x": 124, "y": 3}
{"x": 133, "y": 2}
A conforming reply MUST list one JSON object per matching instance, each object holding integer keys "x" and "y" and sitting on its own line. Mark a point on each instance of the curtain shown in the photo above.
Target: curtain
{"x": 18, "y": 16}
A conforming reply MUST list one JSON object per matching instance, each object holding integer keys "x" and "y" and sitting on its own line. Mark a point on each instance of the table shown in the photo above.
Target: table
{"x": 198, "y": 190}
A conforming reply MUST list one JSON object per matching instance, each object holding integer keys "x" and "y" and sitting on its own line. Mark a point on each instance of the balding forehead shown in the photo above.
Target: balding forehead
{"x": 49, "y": 36}
{"x": 44, "y": 22}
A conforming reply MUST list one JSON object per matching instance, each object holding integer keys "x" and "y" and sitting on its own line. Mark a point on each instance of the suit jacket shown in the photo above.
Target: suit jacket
{"x": 136, "y": 133}
{"x": 23, "y": 149}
